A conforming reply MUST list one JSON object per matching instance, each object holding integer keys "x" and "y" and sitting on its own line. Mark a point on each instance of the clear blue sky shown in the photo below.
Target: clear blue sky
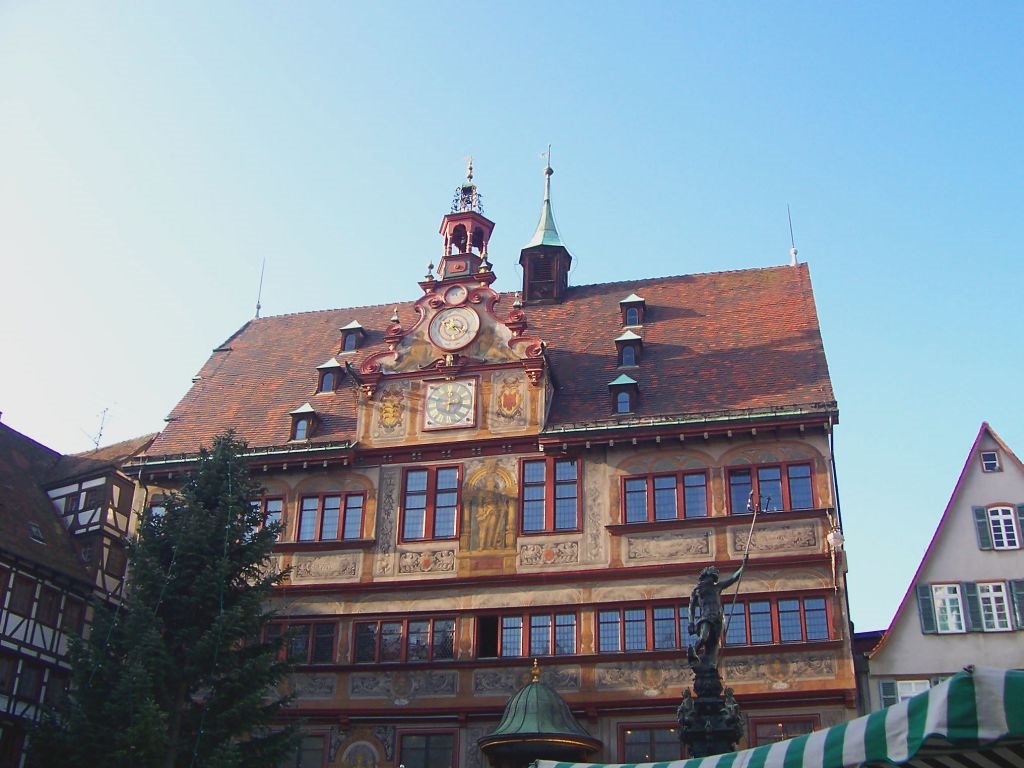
{"x": 153, "y": 154}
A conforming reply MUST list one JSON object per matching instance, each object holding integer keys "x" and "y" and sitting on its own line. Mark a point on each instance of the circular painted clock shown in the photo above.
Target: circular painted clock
{"x": 454, "y": 328}
{"x": 450, "y": 404}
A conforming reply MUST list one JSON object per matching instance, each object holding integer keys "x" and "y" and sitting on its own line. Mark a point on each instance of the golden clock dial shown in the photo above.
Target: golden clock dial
{"x": 454, "y": 328}
{"x": 450, "y": 404}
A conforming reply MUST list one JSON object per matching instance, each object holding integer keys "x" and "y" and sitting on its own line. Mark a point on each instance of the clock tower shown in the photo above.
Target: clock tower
{"x": 465, "y": 232}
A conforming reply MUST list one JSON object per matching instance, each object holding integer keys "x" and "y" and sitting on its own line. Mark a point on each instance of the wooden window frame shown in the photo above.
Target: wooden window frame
{"x": 72, "y": 617}
{"x": 404, "y": 656}
{"x": 634, "y": 348}
{"x": 630, "y": 729}
{"x": 551, "y": 485}
{"x": 431, "y": 494}
{"x": 23, "y": 595}
{"x": 402, "y": 758}
{"x": 291, "y": 632}
{"x": 751, "y": 635}
{"x": 651, "y": 498}
{"x": 787, "y": 722}
{"x": 623, "y": 402}
{"x": 309, "y": 429}
{"x": 942, "y": 596}
{"x": 321, "y": 386}
{"x": 321, "y": 512}
{"x": 48, "y": 606}
{"x": 785, "y": 483}
{"x": 269, "y": 517}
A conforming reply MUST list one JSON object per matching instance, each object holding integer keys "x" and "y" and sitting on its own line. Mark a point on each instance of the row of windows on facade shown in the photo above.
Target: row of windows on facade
{"x": 637, "y": 742}
{"x": 619, "y": 630}
{"x": 984, "y": 606}
{"x": 549, "y": 501}
{"x": 30, "y": 598}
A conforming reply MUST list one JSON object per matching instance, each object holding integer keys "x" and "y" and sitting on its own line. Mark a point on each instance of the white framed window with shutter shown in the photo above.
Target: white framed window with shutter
{"x": 998, "y": 527}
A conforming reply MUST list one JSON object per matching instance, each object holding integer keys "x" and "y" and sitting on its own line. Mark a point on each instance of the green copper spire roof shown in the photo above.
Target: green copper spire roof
{"x": 547, "y": 232}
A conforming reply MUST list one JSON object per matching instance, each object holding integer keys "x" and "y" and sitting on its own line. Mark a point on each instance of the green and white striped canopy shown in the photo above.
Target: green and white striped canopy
{"x": 975, "y": 719}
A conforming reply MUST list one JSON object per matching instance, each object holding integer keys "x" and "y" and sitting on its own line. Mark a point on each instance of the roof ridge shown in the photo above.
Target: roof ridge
{"x": 644, "y": 280}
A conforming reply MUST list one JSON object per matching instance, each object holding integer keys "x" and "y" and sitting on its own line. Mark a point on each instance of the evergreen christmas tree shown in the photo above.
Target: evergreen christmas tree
{"x": 180, "y": 675}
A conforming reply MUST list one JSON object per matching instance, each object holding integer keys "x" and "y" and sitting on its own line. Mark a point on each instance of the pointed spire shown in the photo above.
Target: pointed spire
{"x": 547, "y": 232}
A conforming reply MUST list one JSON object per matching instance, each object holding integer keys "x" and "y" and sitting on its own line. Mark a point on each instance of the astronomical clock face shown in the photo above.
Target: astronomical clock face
{"x": 450, "y": 404}
{"x": 454, "y": 328}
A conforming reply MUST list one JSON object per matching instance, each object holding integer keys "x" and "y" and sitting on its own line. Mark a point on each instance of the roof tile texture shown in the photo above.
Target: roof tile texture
{"x": 725, "y": 341}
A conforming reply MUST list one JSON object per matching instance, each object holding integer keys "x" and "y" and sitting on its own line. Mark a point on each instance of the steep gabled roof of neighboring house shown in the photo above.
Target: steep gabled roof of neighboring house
{"x": 24, "y": 467}
{"x": 730, "y": 343}
{"x": 908, "y": 596}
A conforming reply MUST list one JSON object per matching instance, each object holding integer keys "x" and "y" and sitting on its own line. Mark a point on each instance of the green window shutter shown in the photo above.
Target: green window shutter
{"x": 973, "y": 613}
{"x": 981, "y": 527}
{"x": 888, "y": 691}
{"x": 1017, "y": 596}
{"x": 925, "y": 609}
{"x": 1020, "y": 522}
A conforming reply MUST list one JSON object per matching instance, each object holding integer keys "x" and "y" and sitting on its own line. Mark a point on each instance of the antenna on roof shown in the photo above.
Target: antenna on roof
{"x": 98, "y": 438}
{"x": 259, "y": 292}
{"x": 792, "y": 242}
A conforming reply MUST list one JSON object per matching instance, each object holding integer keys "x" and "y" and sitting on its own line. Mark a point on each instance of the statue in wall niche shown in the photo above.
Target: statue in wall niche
{"x": 490, "y": 509}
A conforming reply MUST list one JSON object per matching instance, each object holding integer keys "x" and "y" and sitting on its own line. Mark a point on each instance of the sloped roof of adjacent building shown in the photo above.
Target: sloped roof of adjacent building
{"x": 971, "y": 461}
{"x": 25, "y": 466}
{"x": 727, "y": 342}
{"x": 99, "y": 460}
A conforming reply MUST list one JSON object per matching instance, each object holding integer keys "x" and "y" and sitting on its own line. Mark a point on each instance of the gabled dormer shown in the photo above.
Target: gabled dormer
{"x": 625, "y": 392}
{"x": 545, "y": 259}
{"x": 352, "y": 336}
{"x": 629, "y": 346}
{"x": 633, "y": 309}
{"x": 304, "y": 422}
{"x": 329, "y": 376}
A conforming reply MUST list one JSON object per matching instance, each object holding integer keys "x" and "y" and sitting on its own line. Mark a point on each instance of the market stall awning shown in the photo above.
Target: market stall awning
{"x": 975, "y": 719}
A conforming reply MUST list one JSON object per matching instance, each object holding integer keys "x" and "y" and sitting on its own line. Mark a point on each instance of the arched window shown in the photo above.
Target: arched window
{"x": 628, "y": 355}
{"x": 623, "y": 402}
{"x": 349, "y": 344}
{"x": 633, "y": 316}
{"x": 301, "y": 431}
{"x": 327, "y": 381}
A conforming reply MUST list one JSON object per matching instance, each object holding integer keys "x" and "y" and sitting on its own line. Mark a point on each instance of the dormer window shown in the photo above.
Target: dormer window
{"x": 625, "y": 392}
{"x": 629, "y": 346}
{"x": 623, "y": 402}
{"x": 633, "y": 309}
{"x": 352, "y": 336}
{"x": 329, "y": 376}
{"x": 303, "y": 422}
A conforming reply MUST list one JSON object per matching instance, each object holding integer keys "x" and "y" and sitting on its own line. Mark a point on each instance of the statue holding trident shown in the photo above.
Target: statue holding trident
{"x": 709, "y": 628}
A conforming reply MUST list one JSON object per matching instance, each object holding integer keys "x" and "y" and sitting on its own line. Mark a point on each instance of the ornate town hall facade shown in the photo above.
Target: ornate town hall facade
{"x": 471, "y": 480}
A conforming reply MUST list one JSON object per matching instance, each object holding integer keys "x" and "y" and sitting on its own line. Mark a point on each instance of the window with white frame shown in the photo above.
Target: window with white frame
{"x": 990, "y": 461}
{"x": 895, "y": 691}
{"x": 1002, "y": 522}
{"x": 948, "y": 605}
{"x": 995, "y": 607}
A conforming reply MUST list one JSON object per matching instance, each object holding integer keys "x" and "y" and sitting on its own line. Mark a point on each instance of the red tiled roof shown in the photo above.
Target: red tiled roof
{"x": 100, "y": 460}
{"x": 24, "y": 466}
{"x": 719, "y": 342}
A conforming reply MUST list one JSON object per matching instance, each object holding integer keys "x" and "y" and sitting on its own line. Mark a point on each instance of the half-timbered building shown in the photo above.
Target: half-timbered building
{"x": 471, "y": 479}
{"x": 64, "y": 522}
